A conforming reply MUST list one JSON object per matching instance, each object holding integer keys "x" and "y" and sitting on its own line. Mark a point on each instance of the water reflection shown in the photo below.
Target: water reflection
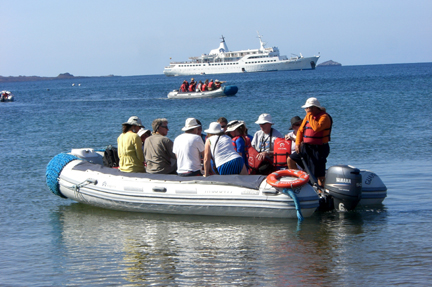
{"x": 133, "y": 248}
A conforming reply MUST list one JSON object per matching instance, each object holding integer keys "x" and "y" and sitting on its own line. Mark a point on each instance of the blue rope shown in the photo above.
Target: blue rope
{"x": 291, "y": 193}
{"x": 54, "y": 168}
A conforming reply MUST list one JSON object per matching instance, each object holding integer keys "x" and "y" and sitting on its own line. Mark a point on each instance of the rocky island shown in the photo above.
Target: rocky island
{"x": 329, "y": 63}
{"x": 37, "y": 78}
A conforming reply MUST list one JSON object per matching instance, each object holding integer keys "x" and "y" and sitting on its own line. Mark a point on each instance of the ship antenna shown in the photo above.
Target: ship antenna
{"x": 223, "y": 39}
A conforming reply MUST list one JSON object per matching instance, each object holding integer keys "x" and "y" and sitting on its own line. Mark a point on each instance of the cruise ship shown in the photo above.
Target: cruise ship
{"x": 224, "y": 61}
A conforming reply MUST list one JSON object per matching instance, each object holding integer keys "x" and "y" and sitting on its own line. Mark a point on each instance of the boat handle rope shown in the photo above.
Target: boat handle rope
{"x": 291, "y": 193}
{"x": 77, "y": 187}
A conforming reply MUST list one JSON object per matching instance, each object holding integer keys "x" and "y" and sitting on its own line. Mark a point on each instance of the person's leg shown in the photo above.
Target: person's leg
{"x": 321, "y": 155}
{"x": 293, "y": 160}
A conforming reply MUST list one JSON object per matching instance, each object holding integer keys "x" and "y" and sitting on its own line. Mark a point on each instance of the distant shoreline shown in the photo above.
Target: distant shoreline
{"x": 37, "y": 78}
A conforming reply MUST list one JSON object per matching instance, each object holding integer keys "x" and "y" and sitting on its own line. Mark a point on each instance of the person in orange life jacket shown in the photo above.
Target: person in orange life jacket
{"x": 204, "y": 87}
{"x": 241, "y": 142}
{"x": 198, "y": 87}
{"x": 184, "y": 87}
{"x": 263, "y": 140}
{"x": 295, "y": 124}
{"x": 312, "y": 140}
{"x": 218, "y": 84}
{"x": 192, "y": 85}
{"x": 211, "y": 85}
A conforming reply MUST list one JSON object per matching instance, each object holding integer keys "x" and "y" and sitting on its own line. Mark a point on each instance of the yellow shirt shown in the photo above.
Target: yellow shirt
{"x": 130, "y": 152}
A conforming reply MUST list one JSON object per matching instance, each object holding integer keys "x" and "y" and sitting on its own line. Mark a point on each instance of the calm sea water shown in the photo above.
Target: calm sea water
{"x": 382, "y": 121}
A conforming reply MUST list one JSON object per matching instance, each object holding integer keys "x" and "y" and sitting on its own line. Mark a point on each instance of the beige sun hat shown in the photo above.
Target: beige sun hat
{"x": 233, "y": 125}
{"x": 214, "y": 128}
{"x": 190, "y": 123}
{"x": 312, "y": 102}
{"x": 134, "y": 121}
{"x": 264, "y": 119}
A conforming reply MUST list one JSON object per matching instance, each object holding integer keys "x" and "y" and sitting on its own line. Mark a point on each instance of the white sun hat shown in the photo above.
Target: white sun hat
{"x": 190, "y": 123}
{"x": 312, "y": 102}
{"x": 134, "y": 121}
{"x": 214, "y": 128}
{"x": 264, "y": 118}
{"x": 142, "y": 131}
{"x": 233, "y": 125}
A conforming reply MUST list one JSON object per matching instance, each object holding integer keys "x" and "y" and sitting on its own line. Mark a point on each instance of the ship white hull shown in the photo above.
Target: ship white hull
{"x": 241, "y": 66}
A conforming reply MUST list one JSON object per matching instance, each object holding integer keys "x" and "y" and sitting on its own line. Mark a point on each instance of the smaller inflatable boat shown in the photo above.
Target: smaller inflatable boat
{"x": 6, "y": 96}
{"x": 224, "y": 91}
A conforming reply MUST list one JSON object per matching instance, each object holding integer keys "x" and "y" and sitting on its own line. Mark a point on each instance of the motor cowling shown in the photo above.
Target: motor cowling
{"x": 344, "y": 184}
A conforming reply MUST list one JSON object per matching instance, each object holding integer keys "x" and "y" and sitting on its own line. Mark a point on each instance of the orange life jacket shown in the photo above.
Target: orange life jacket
{"x": 281, "y": 151}
{"x": 192, "y": 87}
{"x": 316, "y": 138}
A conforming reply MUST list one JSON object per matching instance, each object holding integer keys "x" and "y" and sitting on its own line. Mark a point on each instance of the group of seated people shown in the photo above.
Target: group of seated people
{"x": 193, "y": 86}
{"x": 223, "y": 150}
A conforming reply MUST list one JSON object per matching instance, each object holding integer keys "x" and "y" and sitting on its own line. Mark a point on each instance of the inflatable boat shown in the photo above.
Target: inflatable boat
{"x": 6, "y": 96}
{"x": 224, "y": 91}
{"x": 81, "y": 176}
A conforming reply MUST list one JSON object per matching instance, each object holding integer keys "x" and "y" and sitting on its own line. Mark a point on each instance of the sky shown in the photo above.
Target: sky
{"x": 131, "y": 37}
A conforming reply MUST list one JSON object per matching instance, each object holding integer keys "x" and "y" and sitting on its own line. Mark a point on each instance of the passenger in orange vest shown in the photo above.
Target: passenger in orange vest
{"x": 312, "y": 140}
{"x": 218, "y": 84}
{"x": 240, "y": 140}
{"x": 211, "y": 85}
{"x": 204, "y": 87}
{"x": 183, "y": 87}
{"x": 192, "y": 85}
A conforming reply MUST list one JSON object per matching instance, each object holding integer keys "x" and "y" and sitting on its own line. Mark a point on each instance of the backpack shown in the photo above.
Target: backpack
{"x": 110, "y": 158}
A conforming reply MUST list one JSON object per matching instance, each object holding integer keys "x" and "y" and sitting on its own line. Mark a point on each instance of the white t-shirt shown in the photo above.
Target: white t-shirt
{"x": 292, "y": 136}
{"x": 224, "y": 150}
{"x": 261, "y": 141}
{"x": 188, "y": 149}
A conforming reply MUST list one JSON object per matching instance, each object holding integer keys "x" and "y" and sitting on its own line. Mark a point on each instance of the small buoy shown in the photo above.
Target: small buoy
{"x": 73, "y": 85}
{"x": 47, "y": 89}
{"x": 79, "y": 85}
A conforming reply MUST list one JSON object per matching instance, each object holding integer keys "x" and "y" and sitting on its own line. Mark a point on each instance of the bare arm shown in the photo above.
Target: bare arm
{"x": 207, "y": 158}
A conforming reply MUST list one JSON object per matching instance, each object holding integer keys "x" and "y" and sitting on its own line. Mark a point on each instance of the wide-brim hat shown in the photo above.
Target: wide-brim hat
{"x": 264, "y": 119}
{"x": 214, "y": 128}
{"x": 312, "y": 102}
{"x": 142, "y": 131}
{"x": 233, "y": 125}
{"x": 134, "y": 121}
{"x": 190, "y": 123}
{"x": 295, "y": 120}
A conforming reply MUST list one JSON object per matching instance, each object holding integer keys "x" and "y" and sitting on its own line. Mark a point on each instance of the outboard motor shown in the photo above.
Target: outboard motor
{"x": 344, "y": 184}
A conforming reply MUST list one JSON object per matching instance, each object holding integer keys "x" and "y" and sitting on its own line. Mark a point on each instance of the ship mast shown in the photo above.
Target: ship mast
{"x": 262, "y": 44}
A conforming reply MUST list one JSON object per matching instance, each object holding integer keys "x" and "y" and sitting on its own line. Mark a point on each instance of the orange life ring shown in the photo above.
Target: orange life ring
{"x": 302, "y": 178}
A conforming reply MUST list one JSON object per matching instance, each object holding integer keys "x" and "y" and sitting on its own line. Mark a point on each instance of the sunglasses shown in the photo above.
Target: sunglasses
{"x": 165, "y": 127}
